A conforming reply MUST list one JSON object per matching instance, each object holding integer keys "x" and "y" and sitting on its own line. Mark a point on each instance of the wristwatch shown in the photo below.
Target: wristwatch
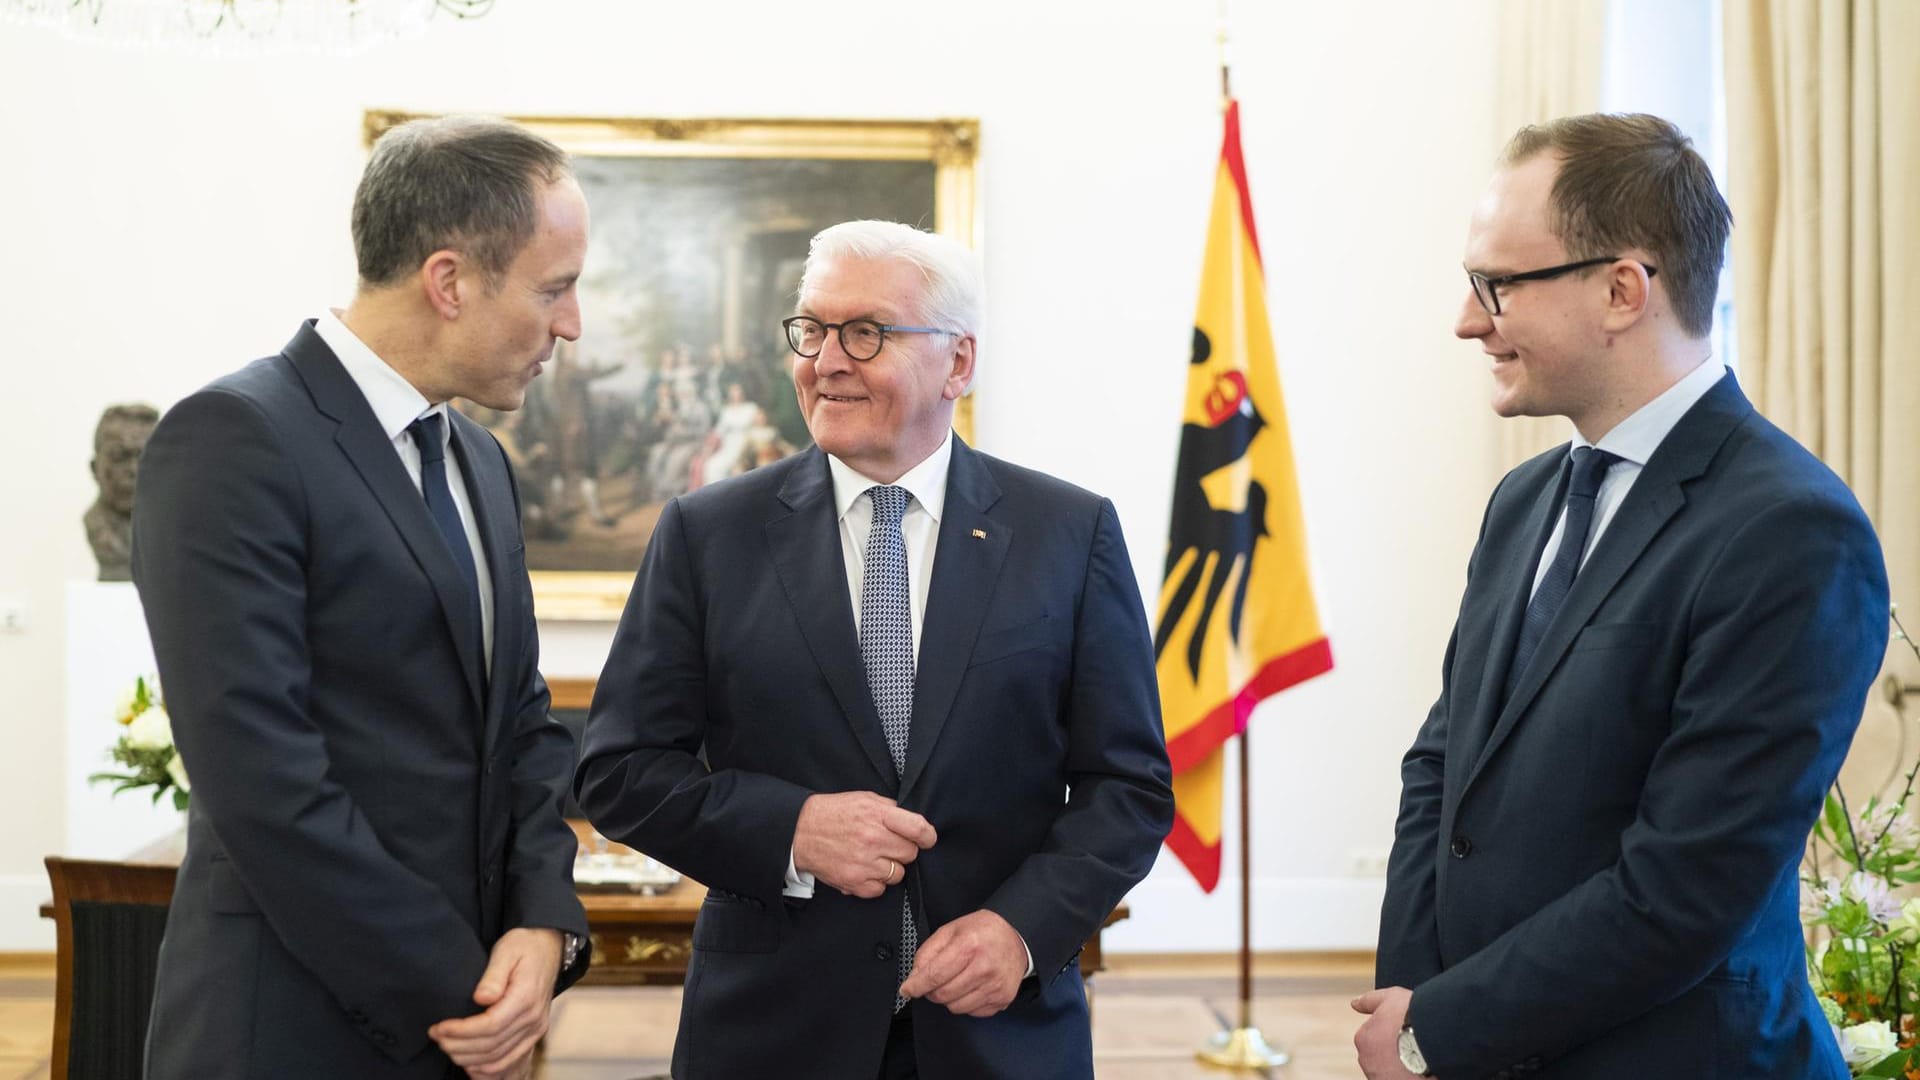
{"x": 1410, "y": 1056}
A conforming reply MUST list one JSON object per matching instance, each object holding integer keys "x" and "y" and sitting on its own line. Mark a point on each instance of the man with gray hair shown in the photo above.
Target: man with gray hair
{"x": 892, "y": 700}
{"x": 378, "y": 880}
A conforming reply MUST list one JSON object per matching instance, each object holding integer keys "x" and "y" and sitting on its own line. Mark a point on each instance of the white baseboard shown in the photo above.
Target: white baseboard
{"x": 1171, "y": 914}
{"x": 21, "y": 927}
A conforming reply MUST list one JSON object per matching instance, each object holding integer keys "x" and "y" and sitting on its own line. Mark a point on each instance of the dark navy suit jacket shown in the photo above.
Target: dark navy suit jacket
{"x": 370, "y": 811}
{"x": 1597, "y": 877}
{"x": 735, "y": 690}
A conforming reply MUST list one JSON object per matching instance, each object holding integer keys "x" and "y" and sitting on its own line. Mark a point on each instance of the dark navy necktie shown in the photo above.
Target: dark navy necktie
{"x": 1589, "y": 467}
{"x": 429, "y": 434}
{"x": 886, "y": 650}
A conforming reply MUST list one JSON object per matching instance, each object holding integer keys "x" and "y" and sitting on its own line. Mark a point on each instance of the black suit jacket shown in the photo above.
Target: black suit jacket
{"x": 735, "y": 690}
{"x": 1596, "y": 878}
{"x": 370, "y": 811}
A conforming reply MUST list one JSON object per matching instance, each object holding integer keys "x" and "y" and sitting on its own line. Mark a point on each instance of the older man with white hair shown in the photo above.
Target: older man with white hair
{"x": 893, "y": 701}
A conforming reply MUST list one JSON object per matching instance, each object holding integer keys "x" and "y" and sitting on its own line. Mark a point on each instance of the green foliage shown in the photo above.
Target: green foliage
{"x": 1863, "y": 943}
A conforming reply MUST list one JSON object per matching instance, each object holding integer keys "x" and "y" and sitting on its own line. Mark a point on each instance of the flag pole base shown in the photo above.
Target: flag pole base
{"x": 1241, "y": 1048}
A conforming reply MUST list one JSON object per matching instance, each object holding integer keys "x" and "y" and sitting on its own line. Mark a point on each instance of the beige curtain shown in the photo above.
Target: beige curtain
{"x": 1549, "y": 61}
{"x": 1823, "y": 117}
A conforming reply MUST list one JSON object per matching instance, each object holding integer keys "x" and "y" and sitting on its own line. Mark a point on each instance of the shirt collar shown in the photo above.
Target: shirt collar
{"x": 396, "y": 403}
{"x": 927, "y": 481}
{"x": 1638, "y": 436}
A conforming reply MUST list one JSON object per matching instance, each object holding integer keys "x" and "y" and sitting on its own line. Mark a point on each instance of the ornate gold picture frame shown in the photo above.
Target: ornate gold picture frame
{"x": 680, "y": 377}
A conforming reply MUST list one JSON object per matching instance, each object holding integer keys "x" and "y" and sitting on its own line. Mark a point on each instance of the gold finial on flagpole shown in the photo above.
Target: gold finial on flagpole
{"x": 1226, "y": 62}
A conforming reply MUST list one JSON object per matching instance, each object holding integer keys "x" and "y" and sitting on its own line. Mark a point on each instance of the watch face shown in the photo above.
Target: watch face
{"x": 1410, "y": 1056}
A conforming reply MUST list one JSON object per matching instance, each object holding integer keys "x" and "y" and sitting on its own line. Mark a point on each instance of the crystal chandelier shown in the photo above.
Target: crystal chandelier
{"x": 242, "y": 26}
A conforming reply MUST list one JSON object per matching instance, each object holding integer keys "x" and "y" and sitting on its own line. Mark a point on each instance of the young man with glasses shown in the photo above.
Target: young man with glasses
{"x": 1667, "y": 636}
{"x": 892, "y": 700}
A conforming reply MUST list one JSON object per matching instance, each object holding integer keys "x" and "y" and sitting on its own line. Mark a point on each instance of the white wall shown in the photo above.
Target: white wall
{"x": 168, "y": 218}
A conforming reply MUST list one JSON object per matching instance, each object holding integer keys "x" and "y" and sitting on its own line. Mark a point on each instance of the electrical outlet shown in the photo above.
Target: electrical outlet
{"x": 1367, "y": 862}
{"x": 13, "y": 616}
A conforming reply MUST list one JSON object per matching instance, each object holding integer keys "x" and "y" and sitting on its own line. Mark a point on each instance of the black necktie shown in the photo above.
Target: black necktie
{"x": 428, "y": 434}
{"x": 1589, "y": 469}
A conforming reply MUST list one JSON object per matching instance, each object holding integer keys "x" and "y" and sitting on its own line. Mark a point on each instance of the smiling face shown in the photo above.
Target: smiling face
{"x": 885, "y": 415}
{"x": 1548, "y": 342}
{"x": 507, "y": 328}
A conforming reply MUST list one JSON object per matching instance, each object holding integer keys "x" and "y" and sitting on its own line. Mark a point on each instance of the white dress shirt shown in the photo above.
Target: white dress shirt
{"x": 1633, "y": 441}
{"x": 396, "y": 405}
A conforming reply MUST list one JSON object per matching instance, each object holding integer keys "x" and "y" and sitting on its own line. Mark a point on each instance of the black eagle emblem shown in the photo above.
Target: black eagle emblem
{"x": 1202, "y": 529}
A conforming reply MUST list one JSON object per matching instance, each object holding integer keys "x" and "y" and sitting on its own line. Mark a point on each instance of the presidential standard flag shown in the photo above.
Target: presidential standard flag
{"x": 1236, "y": 620}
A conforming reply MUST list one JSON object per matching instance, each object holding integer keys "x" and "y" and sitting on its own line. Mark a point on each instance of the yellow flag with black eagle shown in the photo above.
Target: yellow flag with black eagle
{"x": 1236, "y": 621}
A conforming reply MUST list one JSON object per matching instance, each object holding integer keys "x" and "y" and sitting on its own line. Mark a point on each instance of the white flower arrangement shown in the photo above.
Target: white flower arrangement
{"x": 146, "y": 748}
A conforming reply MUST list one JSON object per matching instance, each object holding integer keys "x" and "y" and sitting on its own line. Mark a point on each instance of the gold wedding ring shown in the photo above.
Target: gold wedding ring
{"x": 891, "y": 867}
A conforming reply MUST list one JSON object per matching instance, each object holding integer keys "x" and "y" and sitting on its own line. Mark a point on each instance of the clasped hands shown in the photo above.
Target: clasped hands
{"x": 1378, "y": 1040}
{"x": 861, "y": 843}
{"x": 514, "y": 994}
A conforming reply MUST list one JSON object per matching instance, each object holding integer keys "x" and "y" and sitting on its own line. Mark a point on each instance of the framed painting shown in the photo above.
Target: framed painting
{"x": 680, "y": 377}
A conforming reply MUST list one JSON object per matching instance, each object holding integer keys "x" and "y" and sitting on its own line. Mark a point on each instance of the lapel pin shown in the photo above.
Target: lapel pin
{"x": 979, "y": 534}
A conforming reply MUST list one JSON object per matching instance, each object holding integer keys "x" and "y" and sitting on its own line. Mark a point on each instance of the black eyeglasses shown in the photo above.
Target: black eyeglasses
{"x": 861, "y": 339}
{"x": 1487, "y": 289}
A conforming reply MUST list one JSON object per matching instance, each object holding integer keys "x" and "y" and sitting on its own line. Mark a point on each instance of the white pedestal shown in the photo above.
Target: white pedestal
{"x": 107, "y": 648}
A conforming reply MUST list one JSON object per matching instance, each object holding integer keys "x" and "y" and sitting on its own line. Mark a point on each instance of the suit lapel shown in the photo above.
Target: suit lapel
{"x": 490, "y": 492}
{"x": 1513, "y": 605}
{"x": 361, "y": 439}
{"x": 1658, "y": 494}
{"x": 966, "y": 564}
{"x": 804, "y": 539}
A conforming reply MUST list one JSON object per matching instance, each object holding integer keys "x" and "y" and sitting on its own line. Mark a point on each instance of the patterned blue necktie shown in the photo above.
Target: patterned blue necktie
{"x": 1589, "y": 469}
{"x": 428, "y": 434}
{"x": 886, "y": 649}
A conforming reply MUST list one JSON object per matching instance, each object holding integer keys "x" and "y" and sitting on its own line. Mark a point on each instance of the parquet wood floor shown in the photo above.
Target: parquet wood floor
{"x": 1149, "y": 1015}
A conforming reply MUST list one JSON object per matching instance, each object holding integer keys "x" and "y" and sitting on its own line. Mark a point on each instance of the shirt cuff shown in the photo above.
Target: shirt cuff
{"x": 1029, "y": 952}
{"x": 799, "y": 883}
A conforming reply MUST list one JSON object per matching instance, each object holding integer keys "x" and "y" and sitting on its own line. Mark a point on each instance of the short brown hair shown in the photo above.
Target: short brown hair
{"x": 461, "y": 182}
{"x": 1630, "y": 180}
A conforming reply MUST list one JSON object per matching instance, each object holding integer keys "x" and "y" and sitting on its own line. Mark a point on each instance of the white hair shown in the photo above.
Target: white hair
{"x": 955, "y": 295}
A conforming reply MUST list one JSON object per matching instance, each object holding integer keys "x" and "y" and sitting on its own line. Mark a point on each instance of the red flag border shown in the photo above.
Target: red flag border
{"x": 1237, "y": 165}
{"x": 1229, "y": 718}
{"x": 1201, "y": 861}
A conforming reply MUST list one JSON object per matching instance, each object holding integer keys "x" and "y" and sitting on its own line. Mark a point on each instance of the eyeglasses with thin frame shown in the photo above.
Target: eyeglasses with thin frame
{"x": 860, "y": 339}
{"x": 1487, "y": 289}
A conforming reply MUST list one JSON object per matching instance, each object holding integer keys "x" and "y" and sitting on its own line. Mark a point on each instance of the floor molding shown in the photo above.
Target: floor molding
{"x": 27, "y": 965}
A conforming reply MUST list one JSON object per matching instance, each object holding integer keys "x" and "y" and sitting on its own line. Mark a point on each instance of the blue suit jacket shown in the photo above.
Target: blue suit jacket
{"x": 1597, "y": 878}
{"x": 735, "y": 690}
{"x": 370, "y": 810}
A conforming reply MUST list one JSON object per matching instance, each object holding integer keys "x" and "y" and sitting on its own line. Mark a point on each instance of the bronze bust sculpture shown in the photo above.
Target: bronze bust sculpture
{"x": 117, "y": 443}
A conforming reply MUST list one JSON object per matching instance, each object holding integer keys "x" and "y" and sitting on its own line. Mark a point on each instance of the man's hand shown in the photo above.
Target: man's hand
{"x": 857, "y": 841}
{"x": 1378, "y": 1039}
{"x": 973, "y": 965}
{"x": 514, "y": 992}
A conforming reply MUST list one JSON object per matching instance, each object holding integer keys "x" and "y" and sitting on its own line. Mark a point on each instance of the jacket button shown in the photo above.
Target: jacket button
{"x": 384, "y": 1038}
{"x": 883, "y": 951}
{"x": 357, "y": 1016}
{"x": 1461, "y": 847}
